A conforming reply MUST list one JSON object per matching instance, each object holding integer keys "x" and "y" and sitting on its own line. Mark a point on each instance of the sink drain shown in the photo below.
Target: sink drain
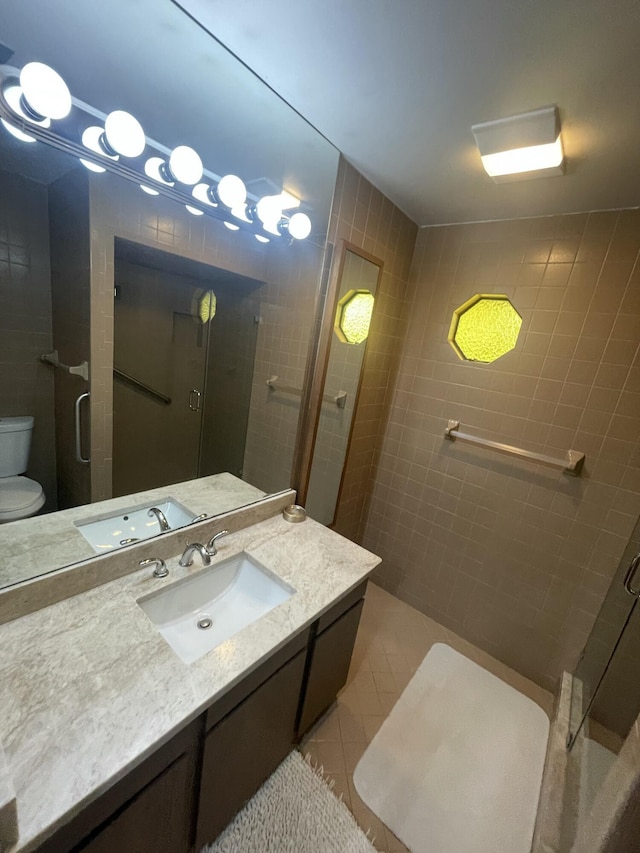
{"x": 204, "y": 622}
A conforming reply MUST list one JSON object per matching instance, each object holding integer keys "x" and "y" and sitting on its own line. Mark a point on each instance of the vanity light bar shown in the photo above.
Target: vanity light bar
{"x": 37, "y": 95}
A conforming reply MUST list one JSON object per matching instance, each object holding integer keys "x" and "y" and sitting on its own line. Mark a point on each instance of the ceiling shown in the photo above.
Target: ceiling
{"x": 397, "y": 84}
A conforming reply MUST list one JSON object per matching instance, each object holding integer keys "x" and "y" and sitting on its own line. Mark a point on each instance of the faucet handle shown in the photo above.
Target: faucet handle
{"x": 160, "y": 571}
{"x": 211, "y": 545}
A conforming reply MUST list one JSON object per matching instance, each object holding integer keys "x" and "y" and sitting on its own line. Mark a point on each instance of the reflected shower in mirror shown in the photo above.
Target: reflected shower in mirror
{"x": 358, "y": 276}
{"x": 185, "y": 337}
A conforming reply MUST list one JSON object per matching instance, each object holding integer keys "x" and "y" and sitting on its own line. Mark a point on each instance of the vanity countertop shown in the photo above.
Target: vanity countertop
{"x": 90, "y": 688}
{"x": 44, "y": 542}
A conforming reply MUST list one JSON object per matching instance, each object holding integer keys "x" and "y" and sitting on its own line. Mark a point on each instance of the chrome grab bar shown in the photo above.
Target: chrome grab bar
{"x": 339, "y": 399}
{"x": 572, "y": 464}
{"x": 78, "y": 430}
{"x": 628, "y": 579}
{"x": 140, "y": 386}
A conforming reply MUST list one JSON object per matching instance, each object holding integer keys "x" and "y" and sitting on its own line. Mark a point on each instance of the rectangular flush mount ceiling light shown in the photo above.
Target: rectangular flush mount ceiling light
{"x": 528, "y": 145}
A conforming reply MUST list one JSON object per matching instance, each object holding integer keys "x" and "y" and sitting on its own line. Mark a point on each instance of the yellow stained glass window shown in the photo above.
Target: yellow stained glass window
{"x": 207, "y": 306}
{"x": 353, "y": 316}
{"x": 484, "y": 328}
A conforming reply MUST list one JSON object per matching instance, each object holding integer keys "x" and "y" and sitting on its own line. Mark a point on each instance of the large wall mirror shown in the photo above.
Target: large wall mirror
{"x": 176, "y": 321}
{"x": 357, "y": 283}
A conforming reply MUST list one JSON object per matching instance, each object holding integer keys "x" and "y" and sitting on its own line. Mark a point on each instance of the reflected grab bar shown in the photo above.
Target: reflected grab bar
{"x": 119, "y": 374}
{"x": 81, "y": 369}
{"x": 78, "y": 428}
{"x": 339, "y": 399}
{"x": 572, "y": 464}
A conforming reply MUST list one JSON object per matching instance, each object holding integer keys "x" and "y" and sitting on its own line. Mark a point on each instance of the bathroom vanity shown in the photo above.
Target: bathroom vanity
{"x": 113, "y": 742}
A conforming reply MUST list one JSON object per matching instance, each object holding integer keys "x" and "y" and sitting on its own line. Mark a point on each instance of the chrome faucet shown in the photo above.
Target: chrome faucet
{"x": 195, "y": 548}
{"x": 160, "y": 571}
{"x": 162, "y": 519}
{"x": 211, "y": 545}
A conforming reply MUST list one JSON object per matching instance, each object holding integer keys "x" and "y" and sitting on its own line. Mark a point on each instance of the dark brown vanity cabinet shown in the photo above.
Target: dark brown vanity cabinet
{"x": 183, "y": 795}
{"x": 243, "y": 749}
{"x": 329, "y": 657}
{"x": 149, "y": 811}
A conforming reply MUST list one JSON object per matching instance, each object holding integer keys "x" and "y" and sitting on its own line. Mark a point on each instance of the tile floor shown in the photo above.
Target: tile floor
{"x": 392, "y": 641}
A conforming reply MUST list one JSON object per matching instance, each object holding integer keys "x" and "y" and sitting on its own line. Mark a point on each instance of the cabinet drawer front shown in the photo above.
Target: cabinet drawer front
{"x": 329, "y": 666}
{"x": 242, "y": 751}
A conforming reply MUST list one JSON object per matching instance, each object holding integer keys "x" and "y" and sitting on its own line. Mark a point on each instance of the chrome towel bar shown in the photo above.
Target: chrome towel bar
{"x": 81, "y": 369}
{"x": 571, "y": 464}
{"x": 338, "y": 399}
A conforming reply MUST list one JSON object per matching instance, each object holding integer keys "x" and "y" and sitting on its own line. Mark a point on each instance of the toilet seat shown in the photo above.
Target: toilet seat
{"x": 20, "y": 497}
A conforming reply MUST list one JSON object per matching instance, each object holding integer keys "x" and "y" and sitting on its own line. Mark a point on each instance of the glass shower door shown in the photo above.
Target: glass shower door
{"x": 160, "y": 355}
{"x": 607, "y": 636}
{"x": 606, "y": 687}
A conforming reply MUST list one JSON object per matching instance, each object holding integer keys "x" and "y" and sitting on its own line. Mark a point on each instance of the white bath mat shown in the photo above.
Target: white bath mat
{"x": 293, "y": 812}
{"x": 457, "y": 765}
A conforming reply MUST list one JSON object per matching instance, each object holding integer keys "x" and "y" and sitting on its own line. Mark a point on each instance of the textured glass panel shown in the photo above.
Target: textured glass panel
{"x": 484, "y": 328}
{"x": 354, "y": 316}
{"x": 207, "y": 306}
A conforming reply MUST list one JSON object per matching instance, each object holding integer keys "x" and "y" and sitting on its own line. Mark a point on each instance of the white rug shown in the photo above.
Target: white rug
{"x": 293, "y": 812}
{"x": 457, "y": 765}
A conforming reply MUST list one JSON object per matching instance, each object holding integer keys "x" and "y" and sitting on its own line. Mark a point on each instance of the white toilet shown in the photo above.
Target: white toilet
{"x": 20, "y": 497}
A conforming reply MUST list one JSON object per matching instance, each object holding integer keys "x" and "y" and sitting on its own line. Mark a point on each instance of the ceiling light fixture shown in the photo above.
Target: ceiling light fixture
{"x": 528, "y": 145}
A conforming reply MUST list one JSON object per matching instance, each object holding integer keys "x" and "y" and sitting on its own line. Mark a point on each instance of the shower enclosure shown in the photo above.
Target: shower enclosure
{"x": 606, "y": 687}
{"x": 184, "y": 348}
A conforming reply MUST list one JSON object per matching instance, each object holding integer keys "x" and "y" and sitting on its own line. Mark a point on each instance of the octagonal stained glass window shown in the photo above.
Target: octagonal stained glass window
{"x": 353, "y": 316}
{"x": 485, "y": 328}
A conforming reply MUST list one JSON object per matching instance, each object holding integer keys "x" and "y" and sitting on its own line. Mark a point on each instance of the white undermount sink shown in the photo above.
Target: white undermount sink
{"x": 198, "y": 613}
{"x": 109, "y": 532}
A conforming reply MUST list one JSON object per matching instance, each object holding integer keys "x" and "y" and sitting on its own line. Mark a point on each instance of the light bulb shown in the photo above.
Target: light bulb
{"x": 91, "y": 140}
{"x": 44, "y": 91}
{"x": 231, "y": 191}
{"x": 148, "y": 190}
{"x": 123, "y": 134}
{"x": 299, "y": 226}
{"x": 153, "y": 168}
{"x": 261, "y": 239}
{"x": 240, "y": 212}
{"x": 92, "y": 167}
{"x": 231, "y": 226}
{"x": 185, "y": 165}
{"x": 15, "y": 131}
{"x": 194, "y": 210}
{"x": 13, "y": 96}
{"x": 201, "y": 192}
{"x": 269, "y": 210}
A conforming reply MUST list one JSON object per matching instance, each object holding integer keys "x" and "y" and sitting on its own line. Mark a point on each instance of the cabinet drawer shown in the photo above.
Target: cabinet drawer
{"x": 329, "y": 666}
{"x": 244, "y": 748}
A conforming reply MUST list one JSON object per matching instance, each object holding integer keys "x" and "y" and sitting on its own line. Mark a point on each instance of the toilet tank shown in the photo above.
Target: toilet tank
{"x": 15, "y": 443}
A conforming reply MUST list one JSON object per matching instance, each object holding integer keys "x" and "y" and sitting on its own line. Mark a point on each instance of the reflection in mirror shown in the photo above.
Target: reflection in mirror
{"x": 358, "y": 278}
{"x": 156, "y": 309}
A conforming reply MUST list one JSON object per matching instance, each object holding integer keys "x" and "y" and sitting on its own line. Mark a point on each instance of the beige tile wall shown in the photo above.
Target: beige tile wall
{"x": 513, "y": 557}
{"x": 26, "y": 385}
{"x": 363, "y": 216}
{"x": 287, "y": 312}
